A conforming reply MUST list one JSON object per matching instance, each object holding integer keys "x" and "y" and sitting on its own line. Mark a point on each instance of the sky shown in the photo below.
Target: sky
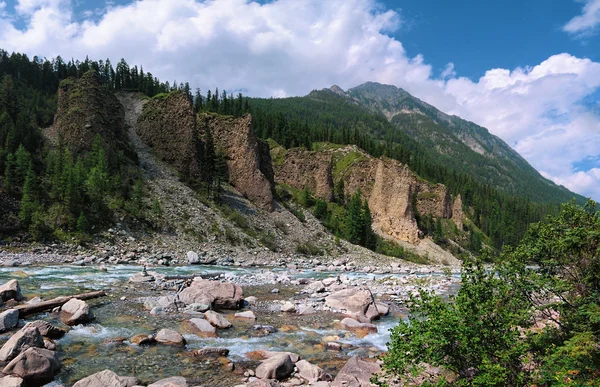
{"x": 528, "y": 70}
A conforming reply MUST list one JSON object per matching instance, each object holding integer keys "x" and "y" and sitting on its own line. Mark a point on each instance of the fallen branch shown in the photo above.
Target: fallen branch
{"x": 27, "y": 309}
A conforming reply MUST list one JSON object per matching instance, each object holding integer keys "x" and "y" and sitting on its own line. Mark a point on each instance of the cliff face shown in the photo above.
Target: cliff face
{"x": 457, "y": 212}
{"x": 307, "y": 169}
{"x": 434, "y": 200}
{"x": 85, "y": 110}
{"x": 249, "y": 162}
{"x": 168, "y": 125}
{"x": 389, "y": 187}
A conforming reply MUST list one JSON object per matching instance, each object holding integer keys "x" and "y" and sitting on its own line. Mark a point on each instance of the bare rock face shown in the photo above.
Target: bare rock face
{"x": 168, "y": 125}
{"x": 106, "y": 378}
{"x": 248, "y": 160}
{"x": 306, "y": 169}
{"x": 434, "y": 200}
{"x": 356, "y": 373}
{"x": 221, "y": 295}
{"x": 457, "y": 212}
{"x": 87, "y": 109}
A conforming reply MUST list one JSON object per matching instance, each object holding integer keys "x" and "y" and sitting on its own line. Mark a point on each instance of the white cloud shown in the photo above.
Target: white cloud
{"x": 588, "y": 21}
{"x": 288, "y": 47}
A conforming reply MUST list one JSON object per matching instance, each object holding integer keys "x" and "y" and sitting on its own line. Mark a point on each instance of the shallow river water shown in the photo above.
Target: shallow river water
{"x": 90, "y": 348}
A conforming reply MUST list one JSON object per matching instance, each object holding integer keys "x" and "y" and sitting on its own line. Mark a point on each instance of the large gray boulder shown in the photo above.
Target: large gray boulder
{"x": 355, "y": 302}
{"x": 221, "y": 295}
{"x": 25, "y": 338}
{"x": 169, "y": 337}
{"x": 11, "y": 291}
{"x": 278, "y": 366}
{"x": 9, "y": 319}
{"x": 311, "y": 373}
{"x": 76, "y": 312}
{"x": 356, "y": 373}
{"x": 36, "y": 366}
{"x": 106, "y": 378}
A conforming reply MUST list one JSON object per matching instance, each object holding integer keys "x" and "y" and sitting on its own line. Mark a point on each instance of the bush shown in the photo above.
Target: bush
{"x": 308, "y": 248}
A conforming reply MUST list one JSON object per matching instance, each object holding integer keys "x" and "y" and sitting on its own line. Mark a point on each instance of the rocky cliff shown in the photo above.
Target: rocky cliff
{"x": 457, "y": 212}
{"x": 389, "y": 186}
{"x": 249, "y": 162}
{"x": 85, "y": 110}
{"x": 168, "y": 125}
{"x": 306, "y": 169}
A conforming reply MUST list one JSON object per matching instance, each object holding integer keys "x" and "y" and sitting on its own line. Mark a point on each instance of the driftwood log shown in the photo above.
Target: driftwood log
{"x": 43, "y": 306}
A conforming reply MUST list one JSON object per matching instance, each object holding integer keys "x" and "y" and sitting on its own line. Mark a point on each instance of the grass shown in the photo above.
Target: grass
{"x": 344, "y": 163}
{"x": 322, "y": 146}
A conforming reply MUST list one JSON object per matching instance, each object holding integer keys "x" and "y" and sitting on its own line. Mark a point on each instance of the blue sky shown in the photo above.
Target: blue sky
{"x": 527, "y": 70}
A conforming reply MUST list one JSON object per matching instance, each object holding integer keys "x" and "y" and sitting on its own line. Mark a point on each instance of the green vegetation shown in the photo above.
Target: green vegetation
{"x": 489, "y": 334}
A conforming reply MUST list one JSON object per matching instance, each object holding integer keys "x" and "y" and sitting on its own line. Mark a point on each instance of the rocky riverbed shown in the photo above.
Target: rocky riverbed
{"x": 220, "y": 321}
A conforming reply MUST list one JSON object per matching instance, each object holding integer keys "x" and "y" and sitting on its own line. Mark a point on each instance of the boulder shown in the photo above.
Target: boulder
{"x": 169, "y": 337}
{"x": 193, "y": 258}
{"x": 247, "y": 315}
{"x": 106, "y": 378}
{"x": 12, "y": 381}
{"x": 9, "y": 319}
{"x": 278, "y": 367}
{"x": 353, "y": 301}
{"x": 304, "y": 310}
{"x": 203, "y": 327}
{"x": 356, "y": 373}
{"x": 315, "y": 287}
{"x": 11, "y": 291}
{"x": 216, "y": 320}
{"x": 382, "y": 308}
{"x": 25, "y": 338}
{"x": 76, "y": 312}
{"x": 36, "y": 366}
{"x": 142, "y": 339}
{"x": 175, "y": 381}
{"x": 309, "y": 372}
{"x": 211, "y": 351}
{"x": 288, "y": 307}
{"x": 361, "y": 329}
{"x": 46, "y": 329}
{"x": 221, "y": 295}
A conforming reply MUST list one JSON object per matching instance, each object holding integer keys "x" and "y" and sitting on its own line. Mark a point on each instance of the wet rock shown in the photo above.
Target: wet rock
{"x": 334, "y": 346}
{"x": 175, "y": 381}
{"x": 203, "y": 327}
{"x": 12, "y": 381}
{"x": 221, "y": 295}
{"x": 382, "y": 308}
{"x": 309, "y": 372}
{"x": 27, "y": 337}
{"x": 211, "y": 351}
{"x": 265, "y": 328}
{"x": 356, "y": 372}
{"x": 247, "y": 315}
{"x": 288, "y": 307}
{"x": 76, "y": 312}
{"x": 278, "y": 367}
{"x": 49, "y": 344}
{"x": 46, "y": 329}
{"x": 36, "y": 366}
{"x": 106, "y": 378}
{"x": 216, "y": 320}
{"x": 9, "y": 319}
{"x": 362, "y": 329}
{"x": 142, "y": 339}
{"x": 11, "y": 291}
{"x": 169, "y": 337}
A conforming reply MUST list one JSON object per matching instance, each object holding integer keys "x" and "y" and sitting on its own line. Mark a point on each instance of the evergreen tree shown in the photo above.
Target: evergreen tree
{"x": 354, "y": 220}
{"x": 198, "y": 101}
{"x": 438, "y": 234}
{"x": 30, "y": 198}
{"x": 10, "y": 174}
{"x": 369, "y": 237}
{"x": 82, "y": 223}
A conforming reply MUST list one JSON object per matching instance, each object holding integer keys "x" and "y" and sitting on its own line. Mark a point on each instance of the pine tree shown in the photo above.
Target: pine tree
{"x": 354, "y": 220}
{"x": 369, "y": 237}
{"x": 198, "y": 101}
{"x": 82, "y": 223}
{"x": 438, "y": 233}
{"x": 137, "y": 196}
{"x": 22, "y": 164}
{"x": 30, "y": 199}
{"x": 10, "y": 176}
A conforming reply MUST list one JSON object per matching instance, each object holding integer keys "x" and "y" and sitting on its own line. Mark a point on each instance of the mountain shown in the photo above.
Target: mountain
{"x": 459, "y": 144}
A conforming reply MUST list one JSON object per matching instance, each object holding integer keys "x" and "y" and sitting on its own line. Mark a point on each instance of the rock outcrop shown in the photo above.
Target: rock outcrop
{"x": 434, "y": 200}
{"x": 457, "y": 212}
{"x": 85, "y": 110}
{"x": 307, "y": 169}
{"x": 168, "y": 125}
{"x": 248, "y": 161}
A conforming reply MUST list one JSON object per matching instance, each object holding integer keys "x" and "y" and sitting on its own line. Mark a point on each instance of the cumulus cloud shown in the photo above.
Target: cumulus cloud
{"x": 587, "y": 22}
{"x": 287, "y": 47}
